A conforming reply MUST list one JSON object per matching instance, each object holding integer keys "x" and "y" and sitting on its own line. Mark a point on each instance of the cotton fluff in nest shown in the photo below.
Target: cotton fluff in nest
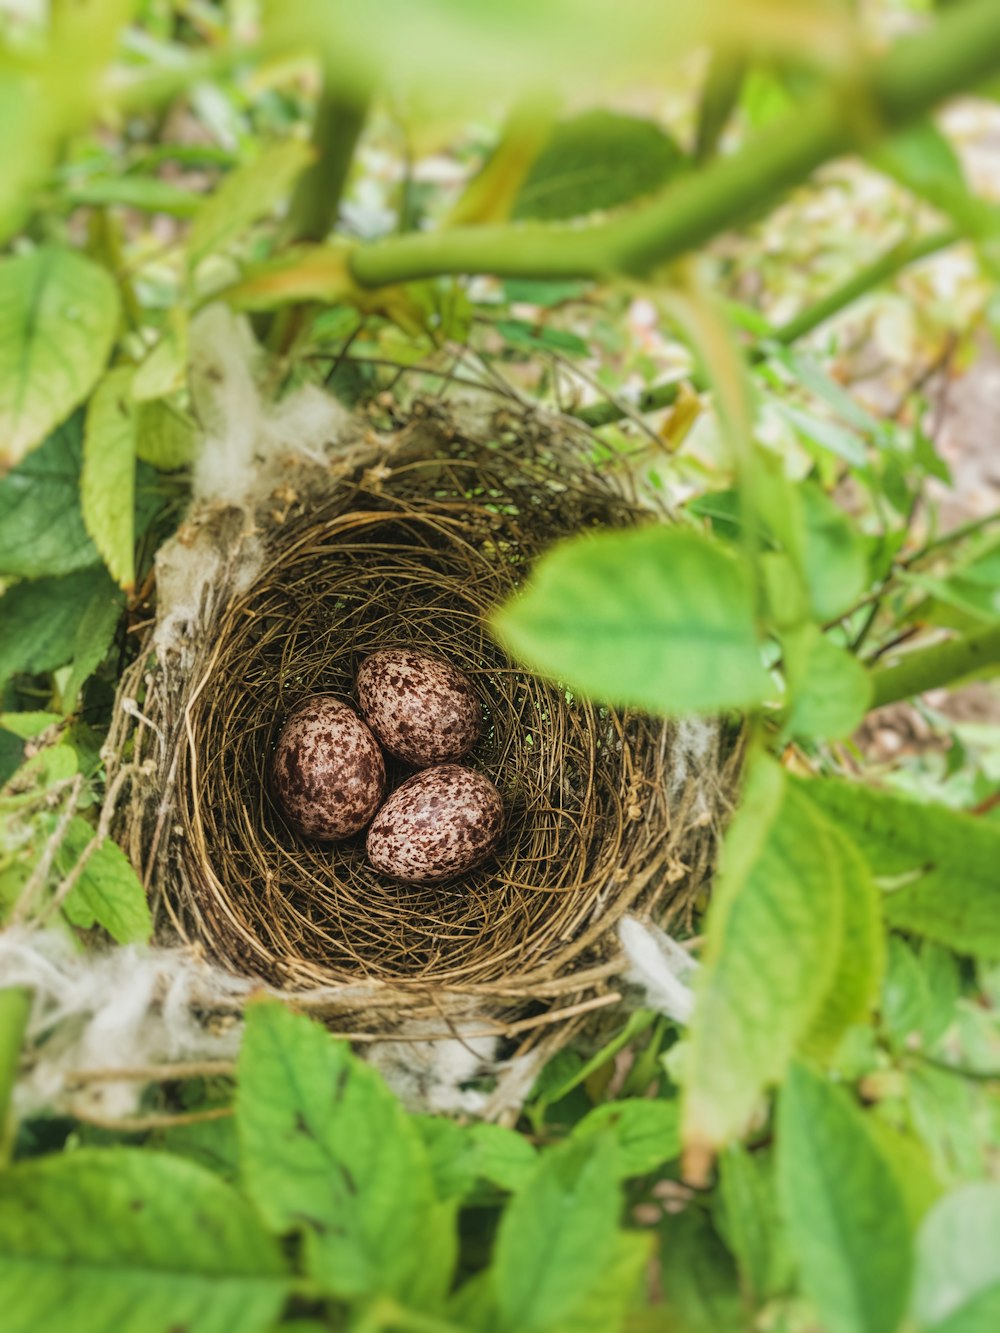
{"x": 249, "y": 450}
{"x": 661, "y": 967}
{"x": 116, "y": 1009}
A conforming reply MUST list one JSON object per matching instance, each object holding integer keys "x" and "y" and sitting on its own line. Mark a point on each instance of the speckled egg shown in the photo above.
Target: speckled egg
{"x": 438, "y": 824}
{"x": 327, "y": 771}
{"x": 423, "y": 710}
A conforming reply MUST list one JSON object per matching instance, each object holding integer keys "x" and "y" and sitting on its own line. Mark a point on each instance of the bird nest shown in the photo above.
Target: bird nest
{"x": 411, "y": 540}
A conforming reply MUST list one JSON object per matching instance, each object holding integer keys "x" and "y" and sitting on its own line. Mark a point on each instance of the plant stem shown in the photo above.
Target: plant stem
{"x": 940, "y": 664}
{"x": 880, "y": 271}
{"x": 316, "y": 200}
{"x": 15, "y": 1009}
{"x": 721, "y": 93}
{"x": 876, "y": 274}
{"x": 953, "y": 55}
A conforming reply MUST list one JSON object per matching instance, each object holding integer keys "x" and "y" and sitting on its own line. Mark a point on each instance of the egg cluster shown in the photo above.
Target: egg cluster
{"x": 328, "y": 772}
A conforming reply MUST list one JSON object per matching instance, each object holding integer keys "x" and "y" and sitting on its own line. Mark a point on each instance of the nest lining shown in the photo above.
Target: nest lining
{"x": 413, "y": 545}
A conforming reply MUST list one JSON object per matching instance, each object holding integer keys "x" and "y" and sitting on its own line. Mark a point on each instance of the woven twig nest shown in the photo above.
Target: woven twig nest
{"x": 409, "y": 540}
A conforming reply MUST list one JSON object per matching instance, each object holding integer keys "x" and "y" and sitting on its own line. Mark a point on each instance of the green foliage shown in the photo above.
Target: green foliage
{"x": 957, "y": 1287}
{"x": 48, "y": 622}
{"x": 247, "y": 194}
{"x": 107, "y": 892}
{"x": 107, "y": 484}
{"x": 937, "y": 867}
{"x": 556, "y": 1240}
{"x": 749, "y": 1221}
{"x": 463, "y": 1156}
{"x": 41, "y": 526}
{"x": 135, "y": 1241}
{"x": 646, "y": 1133}
{"x": 598, "y": 160}
{"x": 847, "y": 1221}
{"x": 60, "y": 317}
{"x": 655, "y": 617}
{"x": 328, "y": 1151}
{"x": 774, "y": 933}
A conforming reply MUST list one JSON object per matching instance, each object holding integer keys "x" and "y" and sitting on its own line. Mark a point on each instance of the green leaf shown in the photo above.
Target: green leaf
{"x": 904, "y": 995}
{"x": 162, "y": 372}
{"x": 827, "y": 435}
{"x": 60, "y": 313}
{"x": 598, "y": 160}
{"x": 957, "y": 1287}
{"x": 818, "y": 538}
{"x": 51, "y": 765}
{"x": 830, "y": 691}
{"x": 107, "y": 891}
{"x": 854, "y": 989}
{"x": 750, "y": 1223}
{"x": 846, "y": 1218}
{"x": 107, "y": 487}
{"x": 939, "y": 968}
{"x": 41, "y": 527}
{"x": 923, "y": 160}
{"x": 149, "y": 193}
{"x": 94, "y": 636}
{"x": 942, "y": 1109}
{"x": 612, "y": 1294}
{"x": 656, "y": 617}
{"x": 809, "y": 373}
{"x": 773, "y": 943}
{"x": 700, "y": 1285}
{"x": 29, "y": 725}
{"x": 911, "y": 1165}
{"x": 556, "y": 1237}
{"x": 646, "y": 1132}
{"x": 247, "y": 193}
{"x": 165, "y": 436}
{"x": 43, "y": 622}
{"x": 520, "y": 333}
{"x": 938, "y": 867}
{"x": 462, "y": 1155}
{"x": 536, "y": 291}
{"x": 326, "y": 1149}
{"x": 132, "y": 1241}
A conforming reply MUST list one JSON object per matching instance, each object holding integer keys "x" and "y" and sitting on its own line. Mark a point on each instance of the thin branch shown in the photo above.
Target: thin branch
{"x": 153, "y": 1073}
{"x": 938, "y": 665}
{"x": 39, "y": 876}
{"x": 874, "y": 275}
{"x": 141, "y": 1124}
{"x": 316, "y": 199}
{"x": 69, "y": 882}
{"x": 947, "y": 58}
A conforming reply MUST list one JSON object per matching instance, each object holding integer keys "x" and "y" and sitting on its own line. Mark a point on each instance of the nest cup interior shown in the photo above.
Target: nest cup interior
{"x": 417, "y": 554}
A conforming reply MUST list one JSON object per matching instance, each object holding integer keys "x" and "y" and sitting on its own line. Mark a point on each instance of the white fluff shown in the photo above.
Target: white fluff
{"x": 691, "y": 755}
{"x": 111, "y": 1009}
{"x": 429, "y": 1075}
{"x": 134, "y": 1006}
{"x": 247, "y": 443}
{"x": 660, "y": 966}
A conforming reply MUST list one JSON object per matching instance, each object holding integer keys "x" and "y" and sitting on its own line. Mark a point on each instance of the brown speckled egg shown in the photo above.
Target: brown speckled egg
{"x": 422, "y": 709}
{"x": 327, "y": 772}
{"x": 438, "y": 824}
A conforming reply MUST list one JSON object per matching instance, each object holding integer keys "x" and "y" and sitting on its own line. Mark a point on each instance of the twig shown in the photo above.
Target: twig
{"x": 154, "y": 1073}
{"x": 69, "y": 882}
{"x": 984, "y": 807}
{"x": 39, "y": 876}
{"x": 140, "y": 1124}
{"x": 845, "y": 115}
